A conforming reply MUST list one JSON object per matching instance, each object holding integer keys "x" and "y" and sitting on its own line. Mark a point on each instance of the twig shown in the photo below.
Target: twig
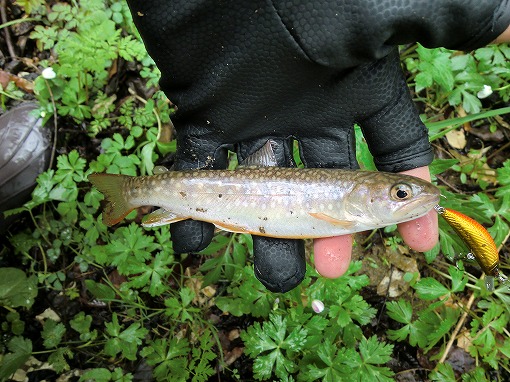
{"x": 504, "y": 147}
{"x": 8, "y": 41}
{"x": 459, "y": 326}
{"x": 55, "y": 124}
{"x": 443, "y": 180}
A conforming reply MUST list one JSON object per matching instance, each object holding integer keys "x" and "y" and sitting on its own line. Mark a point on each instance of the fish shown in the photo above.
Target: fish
{"x": 270, "y": 201}
{"x": 478, "y": 239}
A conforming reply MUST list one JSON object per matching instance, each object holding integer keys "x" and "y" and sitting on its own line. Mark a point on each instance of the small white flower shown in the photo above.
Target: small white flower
{"x": 317, "y": 306}
{"x": 485, "y": 92}
{"x": 49, "y": 73}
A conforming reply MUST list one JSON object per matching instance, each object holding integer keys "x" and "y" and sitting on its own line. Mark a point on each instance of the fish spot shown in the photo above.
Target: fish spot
{"x": 182, "y": 193}
{"x": 265, "y": 218}
{"x": 262, "y": 229}
{"x": 201, "y": 209}
{"x": 220, "y": 195}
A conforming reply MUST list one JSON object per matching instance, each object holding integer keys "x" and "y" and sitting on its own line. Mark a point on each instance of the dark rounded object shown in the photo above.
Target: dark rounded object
{"x": 25, "y": 149}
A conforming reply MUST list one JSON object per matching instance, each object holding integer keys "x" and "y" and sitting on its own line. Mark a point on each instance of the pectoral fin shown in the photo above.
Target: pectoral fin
{"x": 330, "y": 219}
{"x": 230, "y": 227}
{"x": 160, "y": 217}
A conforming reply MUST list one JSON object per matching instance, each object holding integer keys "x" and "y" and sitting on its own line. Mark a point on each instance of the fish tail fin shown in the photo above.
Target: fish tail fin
{"x": 112, "y": 186}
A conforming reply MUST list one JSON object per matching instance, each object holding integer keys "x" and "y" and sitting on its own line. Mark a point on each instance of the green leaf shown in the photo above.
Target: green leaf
{"x": 57, "y": 359}
{"x": 81, "y": 323}
{"x": 470, "y": 103}
{"x": 443, "y": 373}
{"x": 268, "y": 343}
{"x": 70, "y": 168}
{"x": 420, "y": 329}
{"x": 129, "y": 249}
{"x": 373, "y": 352}
{"x": 459, "y": 279}
{"x": 98, "y": 375}
{"x": 434, "y": 65}
{"x": 430, "y": 289}
{"x": 499, "y": 230}
{"x": 152, "y": 276}
{"x": 16, "y": 289}
{"x": 123, "y": 341}
{"x": 476, "y": 375}
{"x": 363, "y": 154}
{"x": 168, "y": 357}
{"x": 246, "y": 295}
{"x": 233, "y": 257}
{"x": 100, "y": 291}
{"x": 448, "y": 319}
{"x": 400, "y": 311}
{"x": 30, "y": 5}
{"x": 440, "y": 165}
{"x": 200, "y": 365}
{"x": 148, "y": 158}
{"x": 20, "y": 350}
{"x": 52, "y": 333}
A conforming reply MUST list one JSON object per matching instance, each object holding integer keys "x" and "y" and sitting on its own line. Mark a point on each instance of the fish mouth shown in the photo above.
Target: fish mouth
{"x": 419, "y": 207}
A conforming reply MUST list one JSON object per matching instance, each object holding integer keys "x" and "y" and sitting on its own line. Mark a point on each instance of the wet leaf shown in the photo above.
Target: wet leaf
{"x": 16, "y": 289}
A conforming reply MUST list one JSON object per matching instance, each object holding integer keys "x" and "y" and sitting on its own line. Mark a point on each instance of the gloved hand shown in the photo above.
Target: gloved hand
{"x": 242, "y": 72}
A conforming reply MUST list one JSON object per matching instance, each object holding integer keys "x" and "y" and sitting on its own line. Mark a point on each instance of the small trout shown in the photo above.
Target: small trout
{"x": 271, "y": 201}
{"x": 477, "y": 238}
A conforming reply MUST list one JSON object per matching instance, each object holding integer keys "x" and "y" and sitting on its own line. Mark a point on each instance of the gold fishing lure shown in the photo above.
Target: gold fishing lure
{"x": 482, "y": 246}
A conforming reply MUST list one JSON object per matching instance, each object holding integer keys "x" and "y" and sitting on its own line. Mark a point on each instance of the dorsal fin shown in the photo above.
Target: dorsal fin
{"x": 263, "y": 157}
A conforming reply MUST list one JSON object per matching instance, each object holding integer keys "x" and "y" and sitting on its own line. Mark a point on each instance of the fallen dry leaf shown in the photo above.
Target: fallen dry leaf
{"x": 456, "y": 139}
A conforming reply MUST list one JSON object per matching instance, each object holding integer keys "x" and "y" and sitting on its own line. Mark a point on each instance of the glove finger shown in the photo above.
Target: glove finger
{"x": 191, "y": 235}
{"x": 194, "y": 235}
{"x": 279, "y": 264}
{"x": 330, "y": 152}
{"x": 391, "y": 125}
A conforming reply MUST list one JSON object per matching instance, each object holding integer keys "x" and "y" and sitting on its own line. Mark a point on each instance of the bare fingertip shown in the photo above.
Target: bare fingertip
{"x": 332, "y": 255}
{"x": 421, "y": 234}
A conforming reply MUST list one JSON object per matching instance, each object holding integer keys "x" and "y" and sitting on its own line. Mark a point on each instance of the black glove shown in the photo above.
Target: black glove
{"x": 243, "y": 71}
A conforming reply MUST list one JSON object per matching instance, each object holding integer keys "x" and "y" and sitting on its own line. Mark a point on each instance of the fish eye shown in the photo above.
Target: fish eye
{"x": 401, "y": 191}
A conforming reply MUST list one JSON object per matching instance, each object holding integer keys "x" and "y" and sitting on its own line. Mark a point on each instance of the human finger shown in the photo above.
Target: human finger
{"x": 332, "y": 255}
{"x": 420, "y": 234}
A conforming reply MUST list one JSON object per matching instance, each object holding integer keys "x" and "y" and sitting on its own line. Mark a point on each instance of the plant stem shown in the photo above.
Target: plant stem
{"x": 452, "y": 124}
{"x": 457, "y": 329}
{"x": 8, "y": 41}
